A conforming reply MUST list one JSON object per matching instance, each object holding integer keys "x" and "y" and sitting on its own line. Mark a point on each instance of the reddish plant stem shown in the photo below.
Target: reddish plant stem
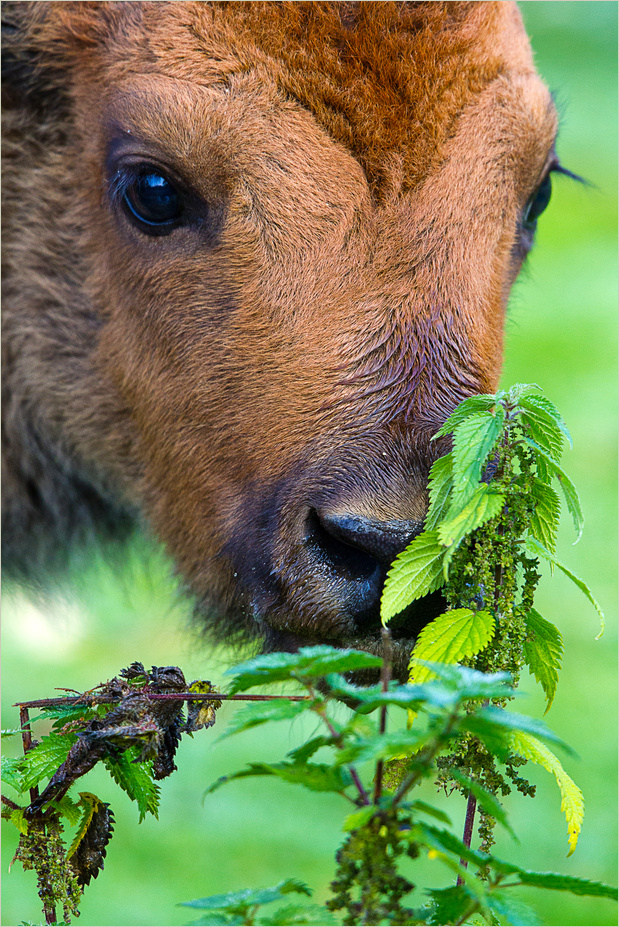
{"x": 469, "y": 821}
{"x": 89, "y": 700}
{"x": 385, "y": 679}
{"x": 26, "y": 736}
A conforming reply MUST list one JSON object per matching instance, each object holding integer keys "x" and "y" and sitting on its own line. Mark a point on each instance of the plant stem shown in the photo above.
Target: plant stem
{"x": 337, "y": 739}
{"x": 26, "y": 736}
{"x": 469, "y": 821}
{"x": 385, "y": 676}
{"x": 90, "y": 700}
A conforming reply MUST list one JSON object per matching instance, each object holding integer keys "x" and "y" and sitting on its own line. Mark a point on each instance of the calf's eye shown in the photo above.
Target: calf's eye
{"x": 537, "y": 204}
{"x": 153, "y": 203}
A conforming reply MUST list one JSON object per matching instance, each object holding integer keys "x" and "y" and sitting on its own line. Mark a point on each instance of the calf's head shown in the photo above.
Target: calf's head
{"x": 255, "y": 255}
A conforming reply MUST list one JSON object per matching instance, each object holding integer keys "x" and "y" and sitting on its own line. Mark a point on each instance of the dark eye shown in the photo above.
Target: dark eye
{"x": 152, "y": 200}
{"x": 537, "y": 204}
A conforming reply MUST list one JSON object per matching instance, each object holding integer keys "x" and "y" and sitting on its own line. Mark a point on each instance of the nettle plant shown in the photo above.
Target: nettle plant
{"x": 493, "y": 514}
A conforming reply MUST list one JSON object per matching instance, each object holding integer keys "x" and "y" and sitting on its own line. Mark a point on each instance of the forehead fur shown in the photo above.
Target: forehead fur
{"x": 386, "y": 80}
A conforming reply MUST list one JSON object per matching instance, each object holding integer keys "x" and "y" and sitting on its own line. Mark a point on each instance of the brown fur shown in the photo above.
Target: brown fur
{"x": 362, "y": 169}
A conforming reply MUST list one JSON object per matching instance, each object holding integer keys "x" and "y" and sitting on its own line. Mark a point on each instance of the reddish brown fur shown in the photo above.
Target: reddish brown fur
{"x": 365, "y": 167}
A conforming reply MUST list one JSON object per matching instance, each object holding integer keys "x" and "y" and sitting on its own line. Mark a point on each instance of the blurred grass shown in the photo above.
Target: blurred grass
{"x": 561, "y": 334}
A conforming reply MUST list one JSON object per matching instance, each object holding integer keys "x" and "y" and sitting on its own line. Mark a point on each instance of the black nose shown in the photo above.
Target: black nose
{"x": 358, "y": 551}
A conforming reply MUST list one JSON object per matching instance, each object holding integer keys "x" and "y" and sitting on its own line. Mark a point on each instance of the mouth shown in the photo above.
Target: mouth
{"x": 404, "y": 628}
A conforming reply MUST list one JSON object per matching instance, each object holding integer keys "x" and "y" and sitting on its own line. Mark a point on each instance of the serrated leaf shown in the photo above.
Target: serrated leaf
{"x": 425, "y": 808}
{"x": 394, "y": 744}
{"x": 569, "y": 490}
{"x": 544, "y": 520}
{"x": 473, "y": 440}
{"x": 451, "y": 637}
{"x": 416, "y": 572}
{"x": 12, "y": 772}
{"x": 511, "y": 720}
{"x": 542, "y": 429}
{"x": 512, "y": 910}
{"x": 62, "y": 714}
{"x": 469, "y": 683}
{"x": 43, "y": 760}
{"x": 450, "y": 905}
{"x": 440, "y": 484}
{"x": 240, "y": 901}
{"x": 543, "y": 648}
{"x": 318, "y": 777}
{"x": 307, "y": 663}
{"x": 484, "y": 798}
{"x": 403, "y": 696}
{"x": 542, "y": 404}
{"x": 518, "y": 390}
{"x": 442, "y": 839}
{"x": 358, "y": 818}
{"x": 483, "y": 505}
{"x": 136, "y": 779}
{"x": 572, "y": 801}
{"x": 439, "y": 839}
{"x": 534, "y": 547}
{"x": 481, "y": 403}
{"x": 294, "y": 914}
{"x": 17, "y": 818}
{"x": 69, "y": 809}
{"x": 305, "y": 751}
{"x": 254, "y": 715}
{"x": 564, "y": 883}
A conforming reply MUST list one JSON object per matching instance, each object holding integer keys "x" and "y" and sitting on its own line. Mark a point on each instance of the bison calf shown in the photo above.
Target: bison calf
{"x": 254, "y": 254}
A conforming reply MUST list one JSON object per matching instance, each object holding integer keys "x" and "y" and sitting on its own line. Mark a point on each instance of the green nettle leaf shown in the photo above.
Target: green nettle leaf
{"x": 483, "y": 505}
{"x": 451, "y": 637}
{"x": 542, "y": 404}
{"x": 517, "y": 391}
{"x": 305, "y": 751}
{"x": 416, "y": 572}
{"x": 543, "y": 429}
{"x": 543, "y": 649}
{"x": 538, "y": 550}
{"x": 564, "y": 883}
{"x": 450, "y": 905}
{"x": 307, "y": 663}
{"x": 136, "y": 779}
{"x": 318, "y": 777}
{"x": 568, "y": 488}
{"x": 440, "y": 485}
{"x": 572, "y": 801}
{"x": 514, "y": 911}
{"x": 480, "y": 403}
{"x": 17, "y": 818}
{"x": 395, "y": 744}
{"x": 469, "y": 683}
{"x": 69, "y": 809}
{"x": 544, "y": 522}
{"x": 13, "y": 772}
{"x": 43, "y": 760}
{"x": 512, "y": 721}
{"x": 473, "y": 441}
{"x": 358, "y": 818}
{"x": 260, "y": 713}
{"x": 246, "y": 898}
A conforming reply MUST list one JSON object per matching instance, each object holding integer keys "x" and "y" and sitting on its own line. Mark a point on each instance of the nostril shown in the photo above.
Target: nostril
{"x": 339, "y": 548}
{"x": 381, "y": 540}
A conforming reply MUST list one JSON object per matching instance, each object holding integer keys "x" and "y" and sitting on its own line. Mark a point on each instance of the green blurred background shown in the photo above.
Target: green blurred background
{"x": 561, "y": 334}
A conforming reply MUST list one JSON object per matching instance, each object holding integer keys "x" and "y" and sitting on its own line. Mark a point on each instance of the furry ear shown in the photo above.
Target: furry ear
{"x": 29, "y": 79}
